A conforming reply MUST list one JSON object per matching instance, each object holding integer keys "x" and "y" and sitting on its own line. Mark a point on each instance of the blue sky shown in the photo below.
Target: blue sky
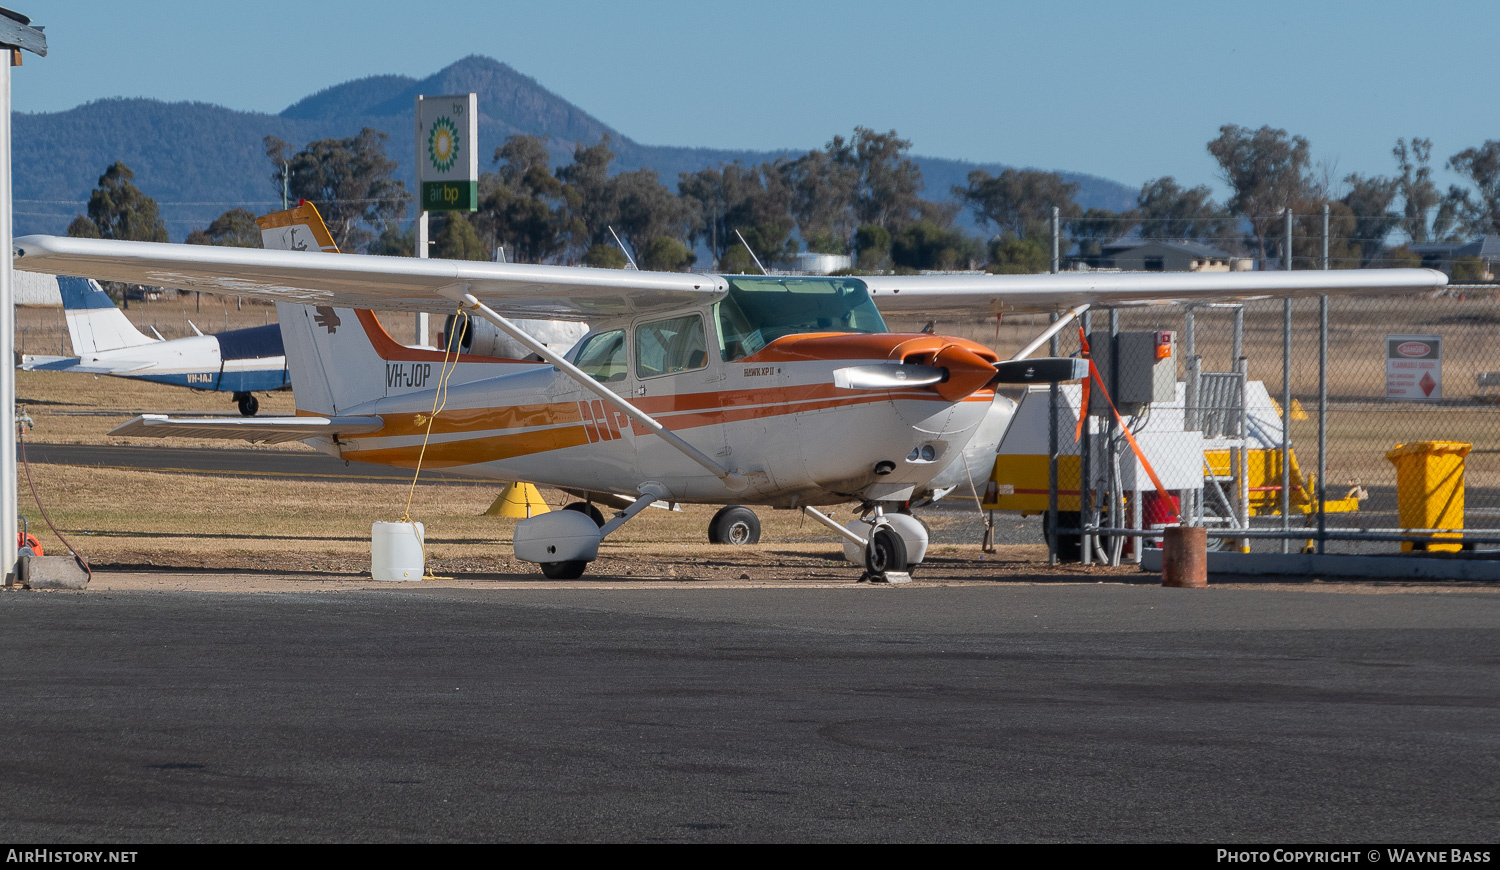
{"x": 1130, "y": 91}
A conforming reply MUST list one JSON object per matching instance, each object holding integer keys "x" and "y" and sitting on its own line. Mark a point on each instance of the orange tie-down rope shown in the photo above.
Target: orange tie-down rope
{"x": 1161, "y": 489}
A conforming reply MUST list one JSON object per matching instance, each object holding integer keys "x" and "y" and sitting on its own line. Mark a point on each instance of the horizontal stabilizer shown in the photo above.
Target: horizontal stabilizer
{"x": 259, "y": 430}
{"x": 1046, "y": 370}
{"x": 30, "y": 363}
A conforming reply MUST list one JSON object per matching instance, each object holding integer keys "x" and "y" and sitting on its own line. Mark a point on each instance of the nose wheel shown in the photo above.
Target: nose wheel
{"x": 248, "y": 404}
{"x": 885, "y": 554}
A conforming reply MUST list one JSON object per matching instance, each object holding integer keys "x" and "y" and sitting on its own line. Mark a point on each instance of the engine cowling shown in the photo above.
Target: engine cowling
{"x": 977, "y": 460}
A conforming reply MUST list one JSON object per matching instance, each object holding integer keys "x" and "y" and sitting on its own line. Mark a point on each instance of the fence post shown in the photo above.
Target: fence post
{"x": 1323, "y": 402}
{"x": 1286, "y": 422}
{"x": 1322, "y": 424}
{"x": 1052, "y": 395}
{"x": 1085, "y": 477}
{"x": 1286, "y": 246}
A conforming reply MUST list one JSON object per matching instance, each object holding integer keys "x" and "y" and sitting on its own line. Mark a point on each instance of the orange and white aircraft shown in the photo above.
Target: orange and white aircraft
{"x": 780, "y": 391}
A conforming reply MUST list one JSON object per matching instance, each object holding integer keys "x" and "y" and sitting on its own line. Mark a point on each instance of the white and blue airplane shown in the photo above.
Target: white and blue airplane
{"x": 240, "y": 361}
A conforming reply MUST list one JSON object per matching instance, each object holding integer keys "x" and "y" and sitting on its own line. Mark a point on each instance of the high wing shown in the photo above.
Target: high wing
{"x": 366, "y": 281}
{"x": 579, "y": 293}
{"x": 973, "y": 294}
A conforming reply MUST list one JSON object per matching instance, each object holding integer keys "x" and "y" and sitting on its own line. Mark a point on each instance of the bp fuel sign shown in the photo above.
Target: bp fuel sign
{"x": 448, "y": 152}
{"x": 1414, "y": 367}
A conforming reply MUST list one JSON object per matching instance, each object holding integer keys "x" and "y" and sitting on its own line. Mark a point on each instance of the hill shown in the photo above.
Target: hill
{"x": 199, "y": 159}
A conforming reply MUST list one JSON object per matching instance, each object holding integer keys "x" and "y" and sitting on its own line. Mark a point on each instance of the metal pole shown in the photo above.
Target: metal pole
{"x": 1323, "y": 402}
{"x": 1286, "y": 248}
{"x": 1085, "y": 479}
{"x": 1322, "y": 423}
{"x": 1052, "y": 402}
{"x": 9, "y": 505}
{"x": 1056, "y": 214}
{"x": 1325, "y": 236}
{"x": 1286, "y": 421}
{"x": 1113, "y": 444}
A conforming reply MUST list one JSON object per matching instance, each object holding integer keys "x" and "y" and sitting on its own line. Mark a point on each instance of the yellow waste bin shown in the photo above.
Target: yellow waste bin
{"x": 1430, "y": 489}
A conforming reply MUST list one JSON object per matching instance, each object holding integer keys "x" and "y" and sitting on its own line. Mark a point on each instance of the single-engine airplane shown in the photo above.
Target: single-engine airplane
{"x": 787, "y": 392}
{"x": 240, "y": 361}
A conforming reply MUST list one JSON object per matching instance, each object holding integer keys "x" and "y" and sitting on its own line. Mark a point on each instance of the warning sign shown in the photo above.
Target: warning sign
{"x": 1414, "y": 367}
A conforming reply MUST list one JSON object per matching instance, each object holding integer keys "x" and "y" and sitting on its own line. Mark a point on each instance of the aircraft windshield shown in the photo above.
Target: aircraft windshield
{"x": 759, "y": 310}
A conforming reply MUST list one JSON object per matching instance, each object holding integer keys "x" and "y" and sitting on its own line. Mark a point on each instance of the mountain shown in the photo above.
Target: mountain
{"x": 198, "y": 159}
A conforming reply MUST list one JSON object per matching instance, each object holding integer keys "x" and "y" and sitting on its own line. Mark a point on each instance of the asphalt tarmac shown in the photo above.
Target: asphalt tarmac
{"x": 1000, "y": 712}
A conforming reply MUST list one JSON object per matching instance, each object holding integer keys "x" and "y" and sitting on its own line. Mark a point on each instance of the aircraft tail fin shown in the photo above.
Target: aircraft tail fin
{"x": 296, "y": 229}
{"x": 94, "y": 323}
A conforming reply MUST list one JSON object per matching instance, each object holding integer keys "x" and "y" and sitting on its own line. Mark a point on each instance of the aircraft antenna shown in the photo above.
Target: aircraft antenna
{"x": 626, "y": 250}
{"x": 752, "y": 254}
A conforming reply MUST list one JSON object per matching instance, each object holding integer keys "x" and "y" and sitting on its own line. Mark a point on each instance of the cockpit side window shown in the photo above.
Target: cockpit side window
{"x": 664, "y": 347}
{"x": 603, "y": 357}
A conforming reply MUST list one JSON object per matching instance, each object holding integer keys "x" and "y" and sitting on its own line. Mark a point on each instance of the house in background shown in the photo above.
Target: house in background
{"x": 1475, "y": 261}
{"x": 1140, "y": 255}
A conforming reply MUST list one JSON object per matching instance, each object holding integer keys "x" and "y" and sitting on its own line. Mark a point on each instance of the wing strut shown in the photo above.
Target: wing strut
{"x": 735, "y": 481}
{"x": 1051, "y": 330}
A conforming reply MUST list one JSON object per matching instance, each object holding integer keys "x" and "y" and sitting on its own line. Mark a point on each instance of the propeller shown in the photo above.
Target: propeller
{"x": 887, "y": 376}
{"x": 1044, "y": 370}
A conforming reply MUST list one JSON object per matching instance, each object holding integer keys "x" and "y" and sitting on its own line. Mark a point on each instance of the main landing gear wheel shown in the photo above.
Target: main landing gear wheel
{"x": 563, "y": 570}
{"x": 248, "y": 404}
{"x": 734, "y": 524}
{"x": 584, "y": 507}
{"x": 572, "y": 570}
{"x": 886, "y": 552}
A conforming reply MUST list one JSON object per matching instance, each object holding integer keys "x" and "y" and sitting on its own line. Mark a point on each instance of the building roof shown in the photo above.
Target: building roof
{"x": 1196, "y": 249}
{"x": 1485, "y": 247}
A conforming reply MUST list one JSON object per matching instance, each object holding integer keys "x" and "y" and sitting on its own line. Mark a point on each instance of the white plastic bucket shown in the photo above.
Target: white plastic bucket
{"x": 396, "y": 551}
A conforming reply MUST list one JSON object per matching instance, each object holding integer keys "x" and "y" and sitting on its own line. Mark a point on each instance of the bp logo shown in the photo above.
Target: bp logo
{"x": 442, "y": 144}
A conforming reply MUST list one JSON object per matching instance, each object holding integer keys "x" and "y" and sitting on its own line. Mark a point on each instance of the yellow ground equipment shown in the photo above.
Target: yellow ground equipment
{"x": 1430, "y": 489}
{"x": 518, "y": 500}
{"x": 1184, "y": 458}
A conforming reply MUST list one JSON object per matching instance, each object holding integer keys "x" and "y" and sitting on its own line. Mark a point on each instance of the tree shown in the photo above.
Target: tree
{"x": 645, "y": 209}
{"x": 1018, "y": 201}
{"x": 589, "y": 194}
{"x": 457, "y": 240}
{"x": 605, "y": 257}
{"x": 235, "y": 228}
{"x": 1370, "y": 202}
{"x": 1419, "y": 196}
{"x": 1169, "y": 211}
{"x": 1477, "y": 211}
{"x": 351, "y": 181}
{"x": 666, "y": 254}
{"x": 1013, "y": 256}
{"x": 1269, "y": 172}
{"x": 119, "y": 210}
{"x": 523, "y": 207}
{"x": 926, "y": 245}
{"x": 889, "y": 183}
{"x": 395, "y": 242}
{"x": 823, "y": 193}
{"x": 872, "y": 247}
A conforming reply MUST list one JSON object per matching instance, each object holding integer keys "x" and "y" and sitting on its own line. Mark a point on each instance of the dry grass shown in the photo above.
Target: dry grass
{"x": 139, "y": 518}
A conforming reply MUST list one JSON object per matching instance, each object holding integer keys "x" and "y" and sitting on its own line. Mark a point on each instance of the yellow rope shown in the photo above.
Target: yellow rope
{"x": 439, "y": 401}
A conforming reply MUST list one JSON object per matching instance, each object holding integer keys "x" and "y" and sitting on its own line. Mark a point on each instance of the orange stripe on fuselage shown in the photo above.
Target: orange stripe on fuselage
{"x": 471, "y": 451}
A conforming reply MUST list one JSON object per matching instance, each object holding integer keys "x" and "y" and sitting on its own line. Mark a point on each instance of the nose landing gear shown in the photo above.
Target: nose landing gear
{"x": 248, "y": 404}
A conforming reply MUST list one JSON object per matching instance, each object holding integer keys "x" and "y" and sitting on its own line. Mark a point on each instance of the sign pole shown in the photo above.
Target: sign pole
{"x": 447, "y": 164}
{"x": 15, "y": 34}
